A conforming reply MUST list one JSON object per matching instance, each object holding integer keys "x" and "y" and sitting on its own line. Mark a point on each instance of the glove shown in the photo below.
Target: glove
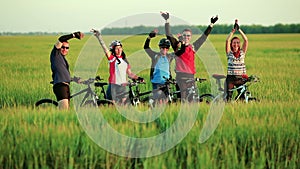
{"x": 95, "y": 32}
{"x": 214, "y": 19}
{"x": 78, "y": 35}
{"x": 152, "y": 34}
{"x": 236, "y": 25}
{"x": 180, "y": 38}
{"x": 76, "y": 79}
{"x": 98, "y": 78}
{"x": 165, "y": 15}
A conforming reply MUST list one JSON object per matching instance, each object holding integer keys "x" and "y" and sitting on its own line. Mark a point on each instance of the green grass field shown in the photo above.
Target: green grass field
{"x": 263, "y": 134}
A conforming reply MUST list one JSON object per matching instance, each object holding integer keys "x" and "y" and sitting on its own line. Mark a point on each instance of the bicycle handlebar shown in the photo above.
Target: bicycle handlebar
{"x": 169, "y": 80}
{"x": 88, "y": 81}
{"x": 199, "y": 80}
{"x": 133, "y": 83}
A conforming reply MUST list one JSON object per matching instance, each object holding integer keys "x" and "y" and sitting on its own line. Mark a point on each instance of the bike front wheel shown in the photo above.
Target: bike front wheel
{"x": 206, "y": 98}
{"x": 104, "y": 102}
{"x": 252, "y": 99}
{"x": 44, "y": 102}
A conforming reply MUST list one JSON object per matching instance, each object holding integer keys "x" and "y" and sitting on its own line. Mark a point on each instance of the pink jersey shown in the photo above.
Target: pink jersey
{"x": 117, "y": 71}
{"x": 185, "y": 63}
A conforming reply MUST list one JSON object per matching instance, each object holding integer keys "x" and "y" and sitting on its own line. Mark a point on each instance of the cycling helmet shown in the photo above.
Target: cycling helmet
{"x": 164, "y": 43}
{"x": 115, "y": 43}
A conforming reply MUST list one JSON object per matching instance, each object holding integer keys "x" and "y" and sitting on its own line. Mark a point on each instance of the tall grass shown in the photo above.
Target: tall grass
{"x": 263, "y": 134}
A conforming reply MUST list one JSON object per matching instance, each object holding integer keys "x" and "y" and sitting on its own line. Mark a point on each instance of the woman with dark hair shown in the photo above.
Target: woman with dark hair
{"x": 119, "y": 68}
{"x": 236, "y": 68}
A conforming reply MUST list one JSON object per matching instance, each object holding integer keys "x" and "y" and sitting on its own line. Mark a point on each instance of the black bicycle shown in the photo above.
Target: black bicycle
{"x": 165, "y": 93}
{"x": 169, "y": 93}
{"x": 90, "y": 98}
{"x": 131, "y": 95}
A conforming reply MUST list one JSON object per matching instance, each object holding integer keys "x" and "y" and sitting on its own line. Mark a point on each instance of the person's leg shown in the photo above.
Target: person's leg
{"x": 108, "y": 92}
{"x": 118, "y": 93}
{"x": 63, "y": 104}
{"x": 182, "y": 88}
{"x": 121, "y": 90}
{"x": 156, "y": 92}
{"x": 181, "y": 79}
{"x": 228, "y": 86}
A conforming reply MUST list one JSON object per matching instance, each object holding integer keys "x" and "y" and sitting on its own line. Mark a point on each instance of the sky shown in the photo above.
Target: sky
{"x": 70, "y": 15}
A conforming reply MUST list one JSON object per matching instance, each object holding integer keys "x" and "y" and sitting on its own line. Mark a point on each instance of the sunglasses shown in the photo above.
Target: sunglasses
{"x": 187, "y": 35}
{"x": 65, "y": 47}
{"x": 165, "y": 47}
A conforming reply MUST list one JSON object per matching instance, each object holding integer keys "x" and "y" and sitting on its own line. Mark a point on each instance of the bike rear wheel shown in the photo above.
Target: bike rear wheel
{"x": 44, "y": 102}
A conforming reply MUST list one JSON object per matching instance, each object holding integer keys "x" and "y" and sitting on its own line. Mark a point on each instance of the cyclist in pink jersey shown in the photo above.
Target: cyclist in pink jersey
{"x": 185, "y": 64}
{"x": 119, "y": 68}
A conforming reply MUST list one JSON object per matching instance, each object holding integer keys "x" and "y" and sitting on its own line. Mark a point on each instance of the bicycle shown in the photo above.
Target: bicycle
{"x": 168, "y": 96}
{"x": 90, "y": 97}
{"x": 172, "y": 95}
{"x": 131, "y": 96}
{"x": 244, "y": 92}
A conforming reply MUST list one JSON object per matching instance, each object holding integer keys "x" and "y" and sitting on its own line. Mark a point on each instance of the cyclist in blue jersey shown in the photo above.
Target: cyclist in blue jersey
{"x": 160, "y": 64}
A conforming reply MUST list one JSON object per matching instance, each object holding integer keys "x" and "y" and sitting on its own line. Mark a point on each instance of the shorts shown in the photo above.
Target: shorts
{"x": 61, "y": 91}
{"x": 115, "y": 92}
{"x": 160, "y": 91}
{"x": 183, "y": 85}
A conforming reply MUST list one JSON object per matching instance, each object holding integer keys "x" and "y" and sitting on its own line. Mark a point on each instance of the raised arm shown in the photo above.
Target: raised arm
{"x": 245, "y": 43}
{"x": 65, "y": 38}
{"x": 199, "y": 42}
{"x": 227, "y": 44}
{"x": 147, "y": 48}
{"x": 245, "y": 39}
{"x": 172, "y": 39}
{"x": 101, "y": 41}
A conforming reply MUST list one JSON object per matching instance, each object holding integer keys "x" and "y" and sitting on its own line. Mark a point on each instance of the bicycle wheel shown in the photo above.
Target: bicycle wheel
{"x": 253, "y": 99}
{"x": 104, "y": 102}
{"x": 89, "y": 103}
{"x": 206, "y": 98}
{"x": 46, "y": 102}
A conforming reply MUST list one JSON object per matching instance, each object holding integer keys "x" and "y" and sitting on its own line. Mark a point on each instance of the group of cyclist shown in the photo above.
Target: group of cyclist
{"x": 119, "y": 67}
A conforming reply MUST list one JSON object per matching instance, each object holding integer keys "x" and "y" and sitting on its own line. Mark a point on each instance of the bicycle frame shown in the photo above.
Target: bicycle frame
{"x": 243, "y": 88}
{"x": 89, "y": 93}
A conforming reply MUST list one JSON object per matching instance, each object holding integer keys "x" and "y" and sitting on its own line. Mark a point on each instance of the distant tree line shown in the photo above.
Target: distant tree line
{"x": 218, "y": 29}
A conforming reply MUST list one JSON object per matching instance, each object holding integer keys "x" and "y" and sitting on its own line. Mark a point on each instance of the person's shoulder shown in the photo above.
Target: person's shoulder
{"x": 110, "y": 57}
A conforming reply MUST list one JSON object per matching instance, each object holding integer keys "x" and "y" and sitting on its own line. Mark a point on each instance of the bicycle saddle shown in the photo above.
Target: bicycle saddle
{"x": 218, "y": 76}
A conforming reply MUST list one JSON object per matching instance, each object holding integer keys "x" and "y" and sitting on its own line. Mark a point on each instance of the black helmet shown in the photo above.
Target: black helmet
{"x": 115, "y": 43}
{"x": 164, "y": 43}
